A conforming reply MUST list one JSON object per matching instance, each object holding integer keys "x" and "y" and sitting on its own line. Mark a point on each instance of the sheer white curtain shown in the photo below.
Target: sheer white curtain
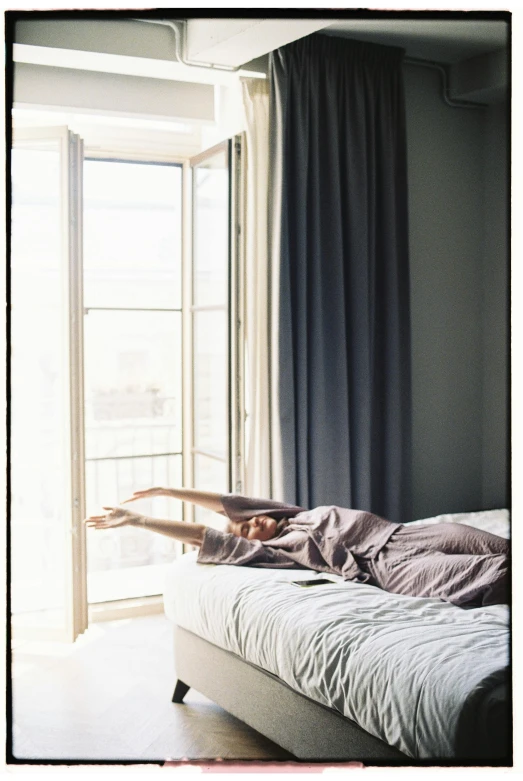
{"x": 257, "y": 299}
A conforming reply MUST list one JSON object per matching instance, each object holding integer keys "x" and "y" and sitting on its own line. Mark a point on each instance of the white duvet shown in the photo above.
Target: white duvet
{"x": 401, "y": 667}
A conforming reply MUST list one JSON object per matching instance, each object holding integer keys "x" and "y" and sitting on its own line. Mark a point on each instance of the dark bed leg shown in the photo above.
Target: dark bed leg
{"x": 180, "y": 690}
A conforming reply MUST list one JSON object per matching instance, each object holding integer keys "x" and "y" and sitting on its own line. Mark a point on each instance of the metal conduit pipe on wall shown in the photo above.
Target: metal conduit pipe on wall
{"x": 179, "y": 28}
{"x": 444, "y": 83}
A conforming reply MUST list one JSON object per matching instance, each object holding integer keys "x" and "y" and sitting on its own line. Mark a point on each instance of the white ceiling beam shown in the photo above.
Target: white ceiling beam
{"x": 127, "y": 47}
{"x": 132, "y": 96}
{"x": 234, "y": 42}
{"x": 103, "y": 62}
{"x": 231, "y": 42}
{"x": 124, "y": 36}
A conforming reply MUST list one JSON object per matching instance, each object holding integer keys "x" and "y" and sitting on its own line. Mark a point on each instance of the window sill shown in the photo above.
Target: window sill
{"x": 125, "y": 608}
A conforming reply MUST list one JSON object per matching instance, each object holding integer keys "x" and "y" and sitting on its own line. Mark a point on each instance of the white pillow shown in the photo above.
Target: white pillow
{"x": 493, "y": 521}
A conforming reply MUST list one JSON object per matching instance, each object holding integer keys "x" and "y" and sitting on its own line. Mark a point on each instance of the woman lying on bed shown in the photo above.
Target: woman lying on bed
{"x": 457, "y": 563}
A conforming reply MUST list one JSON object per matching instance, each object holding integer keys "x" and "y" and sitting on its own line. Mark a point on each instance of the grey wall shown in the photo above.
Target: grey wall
{"x": 495, "y": 309}
{"x": 457, "y": 254}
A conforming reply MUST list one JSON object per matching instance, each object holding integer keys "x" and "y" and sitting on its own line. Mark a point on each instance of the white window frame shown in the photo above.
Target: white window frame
{"x": 83, "y": 612}
{"x": 149, "y": 605}
{"x": 71, "y": 156}
{"x": 153, "y": 604}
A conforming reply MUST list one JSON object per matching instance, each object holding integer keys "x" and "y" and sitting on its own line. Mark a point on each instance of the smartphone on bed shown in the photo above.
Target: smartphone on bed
{"x": 316, "y": 582}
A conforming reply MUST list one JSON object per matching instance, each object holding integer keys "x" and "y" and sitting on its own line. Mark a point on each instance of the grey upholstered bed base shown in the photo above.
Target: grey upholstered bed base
{"x": 305, "y": 728}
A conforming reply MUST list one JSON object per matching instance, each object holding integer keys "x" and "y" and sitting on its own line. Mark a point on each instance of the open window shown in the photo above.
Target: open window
{"x": 126, "y": 372}
{"x": 133, "y": 364}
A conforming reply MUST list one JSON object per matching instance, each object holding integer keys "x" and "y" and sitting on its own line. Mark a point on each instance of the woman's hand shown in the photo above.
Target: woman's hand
{"x": 114, "y": 517}
{"x": 190, "y": 533}
{"x": 148, "y": 493}
{"x": 208, "y": 499}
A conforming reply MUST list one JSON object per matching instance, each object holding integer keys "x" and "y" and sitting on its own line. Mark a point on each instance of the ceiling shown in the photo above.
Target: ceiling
{"x": 445, "y": 40}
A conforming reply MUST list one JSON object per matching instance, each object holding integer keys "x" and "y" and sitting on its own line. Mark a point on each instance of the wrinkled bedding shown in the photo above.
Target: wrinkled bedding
{"x": 403, "y": 668}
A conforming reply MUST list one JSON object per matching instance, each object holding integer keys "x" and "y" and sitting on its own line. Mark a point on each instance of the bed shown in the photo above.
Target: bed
{"x": 345, "y": 671}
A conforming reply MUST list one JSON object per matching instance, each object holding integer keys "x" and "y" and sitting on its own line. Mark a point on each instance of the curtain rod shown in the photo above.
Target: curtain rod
{"x": 445, "y": 92}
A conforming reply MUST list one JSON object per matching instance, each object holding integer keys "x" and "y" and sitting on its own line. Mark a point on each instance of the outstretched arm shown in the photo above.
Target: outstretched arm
{"x": 216, "y": 547}
{"x": 207, "y": 499}
{"x": 114, "y": 517}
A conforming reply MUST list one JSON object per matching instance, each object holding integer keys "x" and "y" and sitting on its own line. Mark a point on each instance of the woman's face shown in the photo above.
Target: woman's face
{"x": 262, "y": 527}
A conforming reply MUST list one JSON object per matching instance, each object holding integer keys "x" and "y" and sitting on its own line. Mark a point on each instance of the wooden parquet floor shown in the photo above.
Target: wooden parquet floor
{"x": 108, "y": 698}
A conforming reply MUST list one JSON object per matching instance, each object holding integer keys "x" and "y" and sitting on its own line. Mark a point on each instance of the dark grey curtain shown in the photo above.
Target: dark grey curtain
{"x": 338, "y": 158}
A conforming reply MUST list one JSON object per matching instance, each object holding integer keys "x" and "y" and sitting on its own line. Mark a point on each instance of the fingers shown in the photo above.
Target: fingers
{"x": 99, "y": 521}
{"x": 112, "y": 517}
{"x": 135, "y": 496}
{"x": 145, "y": 493}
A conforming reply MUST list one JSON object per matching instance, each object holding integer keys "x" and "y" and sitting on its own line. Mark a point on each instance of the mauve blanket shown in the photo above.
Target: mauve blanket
{"x": 456, "y": 563}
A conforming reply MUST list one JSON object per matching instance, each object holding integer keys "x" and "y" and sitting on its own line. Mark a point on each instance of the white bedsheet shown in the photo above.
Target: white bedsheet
{"x": 399, "y": 666}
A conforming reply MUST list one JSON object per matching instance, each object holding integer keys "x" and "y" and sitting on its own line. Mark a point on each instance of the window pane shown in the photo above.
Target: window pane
{"x": 132, "y": 235}
{"x": 39, "y": 500}
{"x": 209, "y": 475}
{"x": 211, "y": 230}
{"x": 210, "y": 381}
{"x": 125, "y": 563}
{"x": 133, "y": 383}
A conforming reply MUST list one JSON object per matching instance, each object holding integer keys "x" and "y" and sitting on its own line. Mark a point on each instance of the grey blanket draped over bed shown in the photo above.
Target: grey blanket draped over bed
{"x": 339, "y": 210}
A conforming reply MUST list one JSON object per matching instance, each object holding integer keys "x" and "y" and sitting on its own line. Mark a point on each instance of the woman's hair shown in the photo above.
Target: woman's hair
{"x": 281, "y": 525}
